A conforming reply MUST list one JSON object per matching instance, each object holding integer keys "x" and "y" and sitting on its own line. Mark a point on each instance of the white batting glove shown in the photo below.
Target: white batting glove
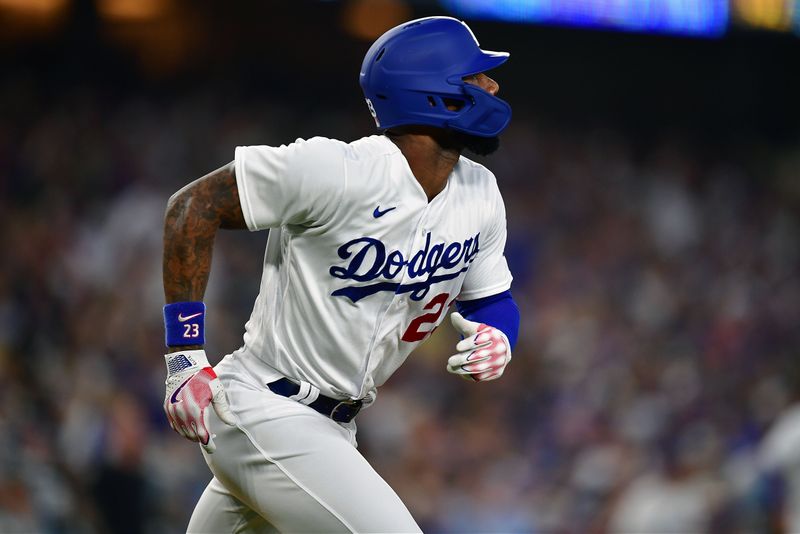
{"x": 191, "y": 386}
{"x": 483, "y": 353}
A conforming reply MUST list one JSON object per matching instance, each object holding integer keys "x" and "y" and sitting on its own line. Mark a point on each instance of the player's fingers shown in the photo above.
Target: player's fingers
{"x": 173, "y": 418}
{"x": 179, "y": 413}
{"x": 206, "y": 437}
{"x": 457, "y": 364}
{"x": 466, "y": 345}
{"x": 203, "y": 432}
{"x": 463, "y": 358}
{"x": 191, "y": 431}
{"x": 182, "y": 431}
{"x": 179, "y": 420}
{"x": 172, "y": 425}
{"x": 224, "y": 412}
{"x": 176, "y": 427}
{"x": 209, "y": 446}
{"x": 473, "y": 342}
{"x": 480, "y": 367}
{"x": 464, "y": 327}
{"x": 479, "y": 355}
{"x": 220, "y": 403}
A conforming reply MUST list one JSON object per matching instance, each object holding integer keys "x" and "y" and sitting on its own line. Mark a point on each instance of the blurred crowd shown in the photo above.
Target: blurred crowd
{"x": 653, "y": 389}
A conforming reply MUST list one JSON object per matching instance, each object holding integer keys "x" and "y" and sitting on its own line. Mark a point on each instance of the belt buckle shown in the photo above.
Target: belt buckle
{"x": 346, "y": 410}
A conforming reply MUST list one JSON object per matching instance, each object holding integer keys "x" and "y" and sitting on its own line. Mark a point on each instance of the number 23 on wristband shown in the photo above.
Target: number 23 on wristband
{"x": 191, "y": 330}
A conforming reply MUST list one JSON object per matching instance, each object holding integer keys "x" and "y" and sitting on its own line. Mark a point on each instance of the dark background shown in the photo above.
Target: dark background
{"x": 652, "y": 190}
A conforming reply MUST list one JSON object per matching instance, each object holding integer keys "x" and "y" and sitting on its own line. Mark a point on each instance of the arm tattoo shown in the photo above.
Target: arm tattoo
{"x": 190, "y": 225}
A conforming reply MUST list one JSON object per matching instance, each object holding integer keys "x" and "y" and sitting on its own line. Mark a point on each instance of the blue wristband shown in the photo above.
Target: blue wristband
{"x": 499, "y": 311}
{"x": 184, "y": 323}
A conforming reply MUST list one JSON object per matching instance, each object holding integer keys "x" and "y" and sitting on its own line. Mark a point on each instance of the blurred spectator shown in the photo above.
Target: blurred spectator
{"x": 779, "y": 461}
{"x": 682, "y": 494}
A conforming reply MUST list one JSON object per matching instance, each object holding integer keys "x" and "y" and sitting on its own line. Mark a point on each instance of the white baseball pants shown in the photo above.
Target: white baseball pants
{"x": 287, "y": 468}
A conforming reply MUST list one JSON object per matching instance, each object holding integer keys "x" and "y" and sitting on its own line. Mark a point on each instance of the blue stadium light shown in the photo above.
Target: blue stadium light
{"x": 699, "y": 18}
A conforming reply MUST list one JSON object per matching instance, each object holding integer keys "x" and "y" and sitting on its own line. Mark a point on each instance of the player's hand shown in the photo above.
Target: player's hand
{"x": 192, "y": 385}
{"x": 483, "y": 353}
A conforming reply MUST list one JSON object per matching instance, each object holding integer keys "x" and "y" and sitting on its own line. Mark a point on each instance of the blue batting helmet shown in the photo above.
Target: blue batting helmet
{"x": 413, "y": 71}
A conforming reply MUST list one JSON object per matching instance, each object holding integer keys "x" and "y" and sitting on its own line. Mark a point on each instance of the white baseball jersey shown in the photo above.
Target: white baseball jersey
{"x": 360, "y": 267}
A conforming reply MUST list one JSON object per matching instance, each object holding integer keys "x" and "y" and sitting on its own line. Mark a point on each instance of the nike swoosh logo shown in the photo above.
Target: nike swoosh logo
{"x": 173, "y": 398}
{"x": 378, "y": 213}
{"x": 183, "y": 319}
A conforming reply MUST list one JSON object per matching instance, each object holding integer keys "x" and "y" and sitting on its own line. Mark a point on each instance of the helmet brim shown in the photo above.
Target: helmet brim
{"x": 486, "y": 60}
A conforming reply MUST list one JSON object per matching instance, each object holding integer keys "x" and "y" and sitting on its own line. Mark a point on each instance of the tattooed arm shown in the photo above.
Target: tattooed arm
{"x": 193, "y": 216}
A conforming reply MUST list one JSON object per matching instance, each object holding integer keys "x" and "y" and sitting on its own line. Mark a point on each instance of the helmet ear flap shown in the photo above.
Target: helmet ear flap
{"x": 487, "y": 117}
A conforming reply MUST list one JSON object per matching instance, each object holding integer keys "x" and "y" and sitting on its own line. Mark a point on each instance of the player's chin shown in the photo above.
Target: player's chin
{"x": 480, "y": 146}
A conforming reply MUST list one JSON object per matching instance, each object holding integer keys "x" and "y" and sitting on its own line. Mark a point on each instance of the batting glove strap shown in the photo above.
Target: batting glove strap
{"x": 184, "y": 362}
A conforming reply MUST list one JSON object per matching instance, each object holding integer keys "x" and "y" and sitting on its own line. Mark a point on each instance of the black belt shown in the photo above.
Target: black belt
{"x": 341, "y": 411}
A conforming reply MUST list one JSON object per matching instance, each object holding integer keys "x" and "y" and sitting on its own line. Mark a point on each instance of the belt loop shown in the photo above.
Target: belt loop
{"x": 308, "y": 393}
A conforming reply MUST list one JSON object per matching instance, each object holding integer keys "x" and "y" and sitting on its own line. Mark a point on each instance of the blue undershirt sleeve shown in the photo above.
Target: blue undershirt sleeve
{"x": 499, "y": 311}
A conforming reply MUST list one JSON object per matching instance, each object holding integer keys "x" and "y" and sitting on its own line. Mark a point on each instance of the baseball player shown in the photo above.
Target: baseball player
{"x": 370, "y": 242}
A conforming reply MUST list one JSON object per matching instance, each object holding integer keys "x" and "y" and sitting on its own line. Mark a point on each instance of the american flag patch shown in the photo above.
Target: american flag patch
{"x": 179, "y": 363}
